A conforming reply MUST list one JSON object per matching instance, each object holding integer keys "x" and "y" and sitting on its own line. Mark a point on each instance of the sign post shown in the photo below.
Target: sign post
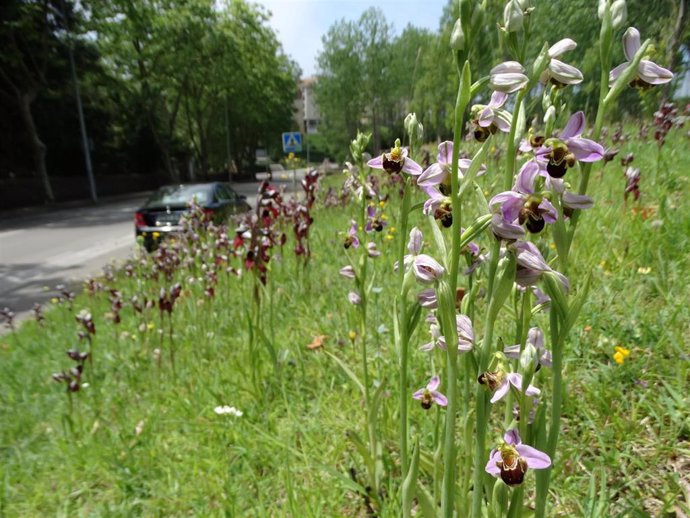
{"x": 292, "y": 143}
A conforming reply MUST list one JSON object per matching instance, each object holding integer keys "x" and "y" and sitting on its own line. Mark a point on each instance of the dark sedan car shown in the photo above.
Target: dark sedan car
{"x": 160, "y": 216}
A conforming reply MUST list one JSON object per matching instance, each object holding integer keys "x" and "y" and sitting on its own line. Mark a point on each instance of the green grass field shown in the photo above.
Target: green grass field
{"x": 143, "y": 439}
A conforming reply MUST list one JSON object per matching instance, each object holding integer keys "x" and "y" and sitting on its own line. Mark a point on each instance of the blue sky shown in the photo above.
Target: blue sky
{"x": 300, "y": 24}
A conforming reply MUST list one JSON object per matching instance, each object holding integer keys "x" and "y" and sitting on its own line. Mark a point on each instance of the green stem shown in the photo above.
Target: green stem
{"x": 404, "y": 338}
{"x": 510, "y": 153}
{"x": 543, "y": 476}
{"x": 449, "y": 327}
{"x": 482, "y": 396}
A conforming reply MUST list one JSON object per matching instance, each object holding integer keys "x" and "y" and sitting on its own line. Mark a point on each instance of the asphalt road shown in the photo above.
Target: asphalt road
{"x": 42, "y": 248}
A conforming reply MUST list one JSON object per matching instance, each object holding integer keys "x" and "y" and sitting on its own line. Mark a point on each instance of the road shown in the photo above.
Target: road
{"x": 42, "y": 248}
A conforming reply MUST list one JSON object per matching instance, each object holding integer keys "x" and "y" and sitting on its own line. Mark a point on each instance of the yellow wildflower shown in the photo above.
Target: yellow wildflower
{"x": 352, "y": 335}
{"x": 621, "y": 354}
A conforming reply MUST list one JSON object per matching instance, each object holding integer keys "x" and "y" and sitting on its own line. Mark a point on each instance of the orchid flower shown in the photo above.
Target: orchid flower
{"x": 535, "y": 339}
{"x": 438, "y": 174}
{"x": 531, "y": 265}
{"x": 348, "y": 272}
{"x": 427, "y": 298}
{"x": 563, "y": 152}
{"x": 569, "y": 200}
{"x": 463, "y": 325}
{"x": 375, "y": 222}
{"x": 425, "y": 268}
{"x": 558, "y": 73}
{"x": 523, "y": 204}
{"x": 430, "y": 394}
{"x": 354, "y": 298}
{"x": 511, "y": 460}
{"x": 648, "y": 73}
{"x": 491, "y": 118}
{"x": 500, "y": 382}
{"x": 352, "y": 240}
{"x": 396, "y": 161}
{"x": 507, "y": 77}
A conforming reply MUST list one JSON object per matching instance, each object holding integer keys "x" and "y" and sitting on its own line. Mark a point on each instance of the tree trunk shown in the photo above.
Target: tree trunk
{"x": 37, "y": 145}
{"x": 673, "y": 44}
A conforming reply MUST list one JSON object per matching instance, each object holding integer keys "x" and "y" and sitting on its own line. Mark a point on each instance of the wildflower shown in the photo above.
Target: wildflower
{"x": 374, "y": 222}
{"x": 354, "y": 298}
{"x": 439, "y": 205}
{"x": 438, "y": 174}
{"x": 396, "y": 161}
{"x": 531, "y": 265}
{"x": 535, "y": 339}
{"x": 621, "y": 354}
{"x": 644, "y": 270}
{"x": 491, "y": 118}
{"x": 228, "y": 410}
{"x": 648, "y": 73}
{"x": 563, "y": 152}
{"x": 523, "y": 204}
{"x": 632, "y": 183}
{"x": 511, "y": 460}
{"x": 352, "y": 335}
{"x": 504, "y": 229}
{"x": 569, "y": 200}
{"x": 424, "y": 267}
{"x": 500, "y": 382}
{"x": 352, "y": 240}
{"x": 507, "y": 77}
{"x": 348, "y": 272}
{"x": 463, "y": 326}
{"x": 372, "y": 251}
{"x": 427, "y": 298}
{"x": 558, "y": 73}
{"x": 429, "y": 394}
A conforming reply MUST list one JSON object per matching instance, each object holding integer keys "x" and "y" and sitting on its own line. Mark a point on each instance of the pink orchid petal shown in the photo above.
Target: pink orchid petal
{"x": 486, "y": 117}
{"x": 653, "y": 74}
{"x": 492, "y": 466}
{"x": 501, "y": 391}
{"x": 411, "y": 167}
{"x": 512, "y": 437}
{"x": 498, "y": 99}
{"x": 574, "y": 127}
{"x": 445, "y": 152}
{"x": 376, "y": 163}
{"x": 535, "y": 459}
{"x": 439, "y": 399}
{"x": 433, "y": 384}
{"x": 631, "y": 43}
{"x": 433, "y": 175}
{"x": 561, "y": 47}
{"x": 586, "y": 150}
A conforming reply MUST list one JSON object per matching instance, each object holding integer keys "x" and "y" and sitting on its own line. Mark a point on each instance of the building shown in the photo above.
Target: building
{"x": 307, "y": 114}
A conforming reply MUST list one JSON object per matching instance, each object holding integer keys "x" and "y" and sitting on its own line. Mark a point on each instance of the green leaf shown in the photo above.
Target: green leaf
{"x": 348, "y": 371}
{"x": 439, "y": 240}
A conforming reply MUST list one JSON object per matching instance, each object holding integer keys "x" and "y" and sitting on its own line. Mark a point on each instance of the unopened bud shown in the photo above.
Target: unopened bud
{"x": 619, "y": 13}
{"x": 513, "y": 16}
{"x": 528, "y": 358}
{"x": 550, "y": 115}
{"x": 457, "y": 37}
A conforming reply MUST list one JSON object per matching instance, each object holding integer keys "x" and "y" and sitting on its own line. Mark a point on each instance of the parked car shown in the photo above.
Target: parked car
{"x": 161, "y": 214}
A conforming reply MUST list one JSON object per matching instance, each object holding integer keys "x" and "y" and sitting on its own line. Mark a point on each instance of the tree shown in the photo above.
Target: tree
{"x": 30, "y": 53}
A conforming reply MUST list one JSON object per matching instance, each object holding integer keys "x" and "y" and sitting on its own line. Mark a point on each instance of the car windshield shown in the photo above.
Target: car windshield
{"x": 180, "y": 195}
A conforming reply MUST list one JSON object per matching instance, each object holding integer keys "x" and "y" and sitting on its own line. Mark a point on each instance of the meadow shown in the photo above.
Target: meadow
{"x": 149, "y": 431}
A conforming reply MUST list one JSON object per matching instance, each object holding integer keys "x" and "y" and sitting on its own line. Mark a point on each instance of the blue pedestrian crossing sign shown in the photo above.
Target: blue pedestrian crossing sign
{"x": 292, "y": 142}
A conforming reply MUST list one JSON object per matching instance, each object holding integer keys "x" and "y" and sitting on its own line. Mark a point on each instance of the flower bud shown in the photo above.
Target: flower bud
{"x": 457, "y": 37}
{"x": 414, "y": 128}
{"x": 528, "y": 357}
{"x": 550, "y": 115}
{"x": 513, "y": 17}
{"x": 619, "y": 13}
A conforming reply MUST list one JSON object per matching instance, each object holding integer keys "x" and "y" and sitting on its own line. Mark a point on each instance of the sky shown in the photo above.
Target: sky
{"x": 300, "y": 24}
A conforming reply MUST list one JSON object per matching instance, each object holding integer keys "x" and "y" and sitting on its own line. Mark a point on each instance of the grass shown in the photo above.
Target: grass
{"x": 142, "y": 440}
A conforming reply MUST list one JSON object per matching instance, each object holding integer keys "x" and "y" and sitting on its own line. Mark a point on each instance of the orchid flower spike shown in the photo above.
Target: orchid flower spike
{"x": 430, "y": 394}
{"x": 396, "y": 161}
{"x": 648, "y": 73}
{"x": 511, "y": 460}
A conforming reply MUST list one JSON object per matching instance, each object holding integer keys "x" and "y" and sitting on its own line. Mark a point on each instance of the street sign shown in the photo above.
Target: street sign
{"x": 292, "y": 142}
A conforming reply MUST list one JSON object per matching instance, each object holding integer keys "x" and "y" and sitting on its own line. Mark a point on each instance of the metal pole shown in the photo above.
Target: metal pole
{"x": 227, "y": 138}
{"x": 306, "y": 119}
{"x": 82, "y": 124}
